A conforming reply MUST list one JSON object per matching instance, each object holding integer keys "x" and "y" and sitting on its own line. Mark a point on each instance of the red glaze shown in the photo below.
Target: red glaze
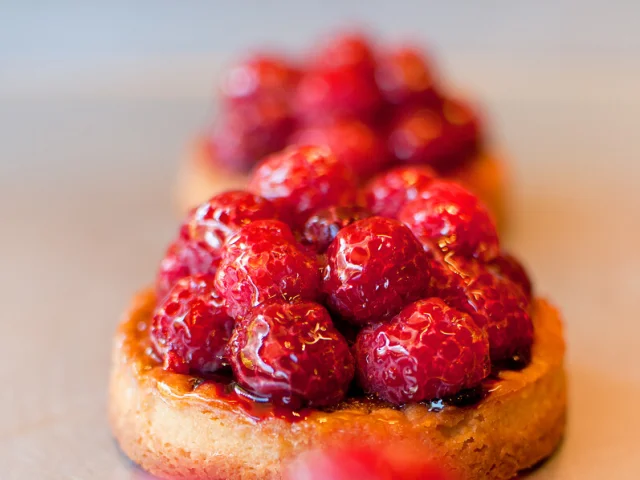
{"x": 304, "y": 179}
{"x": 508, "y": 267}
{"x": 323, "y": 226}
{"x": 324, "y": 95}
{"x": 190, "y": 328}
{"x": 442, "y": 138}
{"x": 262, "y": 262}
{"x": 374, "y": 268}
{"x": 250, "y": 131}
{"x": 429, "y": 350}
{"x": 355, "y": 144}
{"x": 291, "y": 354}
{"x": 404, "y": 78}
{"x": 387, "y": 193}
{"x": 449, "y": 217}
{"x": 352, "y": 51}
{"x": 259, "y": 76}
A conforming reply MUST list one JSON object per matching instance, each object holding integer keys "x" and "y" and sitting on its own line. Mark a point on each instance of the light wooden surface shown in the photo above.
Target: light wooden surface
{"x": 86, "y": 169}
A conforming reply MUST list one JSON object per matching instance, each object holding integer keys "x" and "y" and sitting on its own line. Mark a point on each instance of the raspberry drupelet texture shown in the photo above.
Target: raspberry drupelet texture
{"x": 304, "y": 179}
{"x": 260, "y": 75}
{"x": 347, "y": 51}
{"x": 263, "y": 261}
{"x": 199, "y": 246}
{"x": 323, "y": 226}
{"x": 353, "y": 142}
{"x": 291, "y": 354}
{"x": 387, "y": 193}
{"x": 509, "y": 268}
{"x": 449, "y": 217}
{"x": 190, "y": 330}
{"x": 374, "y": 268}
{"x": 429, "y": 350}
{"x": 404, "y": 77}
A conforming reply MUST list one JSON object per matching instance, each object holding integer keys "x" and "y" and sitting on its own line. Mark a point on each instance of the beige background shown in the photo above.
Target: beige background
{"x": 92, "y": 124}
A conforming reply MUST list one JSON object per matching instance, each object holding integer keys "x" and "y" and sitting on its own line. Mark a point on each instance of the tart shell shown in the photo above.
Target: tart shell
{"x": 199, "y": 179}
{"x": 174, "y": 426}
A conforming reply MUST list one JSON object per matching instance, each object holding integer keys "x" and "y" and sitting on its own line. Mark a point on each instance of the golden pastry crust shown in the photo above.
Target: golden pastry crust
{"x": 199, "y": 179}
{"x": 174, "y": 427}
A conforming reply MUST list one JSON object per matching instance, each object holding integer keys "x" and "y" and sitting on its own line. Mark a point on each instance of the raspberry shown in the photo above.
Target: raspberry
{"x": 451, "y": 218}
{"x": 263, "y": 261}
{"x": 387, "y": 193}
{"x": 325, "y": 95}
{"x": 305, "y": 179}
{"x": 509, "y": 268}
{"x": 291, "y": 354}
{"x": 351, "y": 51}
{"x": 505, "y": 308}
{"x": 191, "y": 329}
{"x": 251, "y": 131}
{"x": 182, "y": 259}
{"x": 404, "y": 78}
{"x": 429, "y": 350}
{"x": 323, "y": 226}
{"x": 259, "y": 76}
{"x": 374, "y": 268}
{"x": 441, "y": 138}
{"x": 354, "y": 143}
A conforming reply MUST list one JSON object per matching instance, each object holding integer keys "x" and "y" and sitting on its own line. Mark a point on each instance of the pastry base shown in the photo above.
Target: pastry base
{"x": 174, "y": 427}
{"x": 199, "y": 179}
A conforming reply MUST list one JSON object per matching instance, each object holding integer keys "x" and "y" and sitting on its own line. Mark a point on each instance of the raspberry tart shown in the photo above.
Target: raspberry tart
{"x": 376, "y": 107}
{"x": 305, "y": 313}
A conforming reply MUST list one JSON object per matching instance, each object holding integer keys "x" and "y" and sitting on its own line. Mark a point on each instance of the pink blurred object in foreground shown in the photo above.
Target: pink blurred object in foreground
{"x": 396, "y": 462}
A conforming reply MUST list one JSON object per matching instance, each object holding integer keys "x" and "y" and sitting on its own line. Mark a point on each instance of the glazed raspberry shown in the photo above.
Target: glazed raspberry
{"x": 263, "y": 261}
{"x": 351, "y": 51}
{"x": 259, "y": 76}
{"x": 251, "y": 131}
{"x": 323, "y": 226}
{"x": 508, "y": 267}
{"x": 183, "y": 259}
{"x": 405, "y": 78}
{"x": 387, "y": 193}
{"x": 429, "y": 350}
{"x": 291, "y": 354}
{"x": 505, "y": 307}
{"x": 191, "y": 329}
{"x": 374, "y": 268}
{"x": 441, "y": 138}
{"x": 451, "y": 218}
{"x": 305, "y": 179}
{"x": 354, "y": 143}
{"x": 325, "y": 95}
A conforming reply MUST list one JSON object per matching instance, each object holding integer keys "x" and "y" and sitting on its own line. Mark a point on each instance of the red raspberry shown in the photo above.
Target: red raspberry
{"x": 508, "y": 267}
{"x": 323, "y": 226}
{"x": 259, "y": 76}
{"x": 251, "y": 131}
{"x": 305, "y": 179}
{"x": 441, "y": 138}
{"x": 429, "y": 350}
{"x": 505, "y": 307}
{"x": 374, "y": 268}
{"x": 291, "y": 354}
{"x": 453, "y": 219}
{"x": 325, "y": 95}
{"x": 182, "y": 259}
{"x": 263, "y": 261}
{"x": 387, "y": 193}
{"x": 191, "y": 329}
{"x": 354, "y": 143}
{"x": 405, "y": 78}
{"x": 351, "y": 51}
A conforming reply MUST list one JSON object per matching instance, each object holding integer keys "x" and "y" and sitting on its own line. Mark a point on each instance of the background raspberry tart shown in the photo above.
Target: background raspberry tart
{"x": 293, "y": 316}
{"x": 377, "y": 107}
